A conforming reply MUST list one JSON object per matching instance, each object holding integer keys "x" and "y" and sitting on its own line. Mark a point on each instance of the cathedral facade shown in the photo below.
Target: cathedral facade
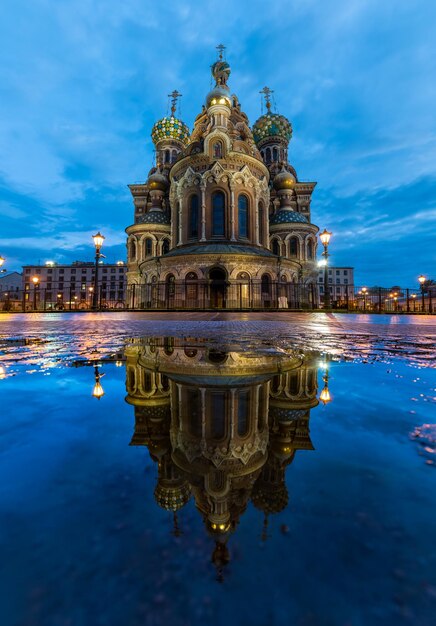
{"x": 222, "y": 220}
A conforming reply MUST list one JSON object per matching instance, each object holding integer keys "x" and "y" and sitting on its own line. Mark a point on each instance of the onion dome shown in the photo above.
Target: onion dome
{"x": 157, "y": 181}
{"x": 270, "y": 498}
{"x": 170, "y": 128}
{"x": 272, "y": 125}
{"x": 220, "y": 94}
{"x": 288, "y": 216}
{"x": 153, "y": 217}
{"x": 221, "y": 71}
{"x": 172, "y": 498}
{"x": 284, "y": 180}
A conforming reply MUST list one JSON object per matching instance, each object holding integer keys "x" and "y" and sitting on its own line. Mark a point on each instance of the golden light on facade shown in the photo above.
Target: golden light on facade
{"x": 98, "y": 240}
{"x": 413, "y": 295}
{"x": 35, "y": 280}
{"x": 2, "y": 260}
{"x": 325, "y": 237}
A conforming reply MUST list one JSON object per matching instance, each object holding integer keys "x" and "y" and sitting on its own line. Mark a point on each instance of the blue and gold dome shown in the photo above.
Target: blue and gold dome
{"x": 272, "y": 125}
{"x": 170, "y": 128}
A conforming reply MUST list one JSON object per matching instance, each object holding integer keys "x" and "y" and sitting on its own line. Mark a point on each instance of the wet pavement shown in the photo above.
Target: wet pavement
{"x": 256, "y": 469}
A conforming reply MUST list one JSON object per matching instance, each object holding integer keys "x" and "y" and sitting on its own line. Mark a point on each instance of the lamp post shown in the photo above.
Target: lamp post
{"x": 325, "y": 238}
{"x": 414, "y": 302}
{"x": 422, "y": 280}
{"x": 35, "y": 281}
{"x": 364, "y": 291}
{"x": 98, "y": 242}
{"x": 325, "y": 396}
{"x": 97, "y": 391}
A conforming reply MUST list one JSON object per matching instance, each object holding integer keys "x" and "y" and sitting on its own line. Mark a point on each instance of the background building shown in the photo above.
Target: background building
{"x": 223, "y": 220}
{"x": 71, "y": 286}
{"x": 341, "y": 284}
{"x": 10, "y": 291}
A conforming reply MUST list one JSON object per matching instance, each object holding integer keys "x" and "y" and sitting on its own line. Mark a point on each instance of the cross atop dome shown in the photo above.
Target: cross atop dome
{"x": 220, "y": 49}
{"x": 266, "y": 91}
{"x": 175, "y": 95}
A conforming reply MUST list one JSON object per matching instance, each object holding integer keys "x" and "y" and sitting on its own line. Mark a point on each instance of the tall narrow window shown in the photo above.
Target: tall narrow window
{"x": 243, "y": 412}
{"x": 276, "y": 247}
{"x": 165, "y": 246}
{"x": 293, "y": 247}
{"x": 193, "y": 218}
{"x": 261, "y": 224}
{"x": 310, "y": 249}
{"x": 218, "y": 214}
{"x": 148, "y": 247}
{"x": 243, "y": 216}
{"x": 275, "y": 154}
{"x": 132, "y": 250}
{"x": 266, "y": 285}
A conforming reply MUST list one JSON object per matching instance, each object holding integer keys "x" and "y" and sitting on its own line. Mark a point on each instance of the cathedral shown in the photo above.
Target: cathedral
{"x": 222, "y": 220}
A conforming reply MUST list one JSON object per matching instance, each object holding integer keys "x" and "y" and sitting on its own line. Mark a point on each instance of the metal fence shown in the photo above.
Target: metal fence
{"x": 213, "y": 295}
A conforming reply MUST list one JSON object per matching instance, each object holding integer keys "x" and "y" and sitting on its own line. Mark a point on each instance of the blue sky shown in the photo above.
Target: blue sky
{"x": 82, "y": 82}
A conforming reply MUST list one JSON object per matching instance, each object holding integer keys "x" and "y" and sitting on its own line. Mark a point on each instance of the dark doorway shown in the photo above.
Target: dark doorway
{"x": 218, "y": 288}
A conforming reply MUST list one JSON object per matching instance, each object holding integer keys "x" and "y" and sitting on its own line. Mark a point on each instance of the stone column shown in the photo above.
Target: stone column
{"x": 179, "y": 235}
{"x": 203, "y": 211}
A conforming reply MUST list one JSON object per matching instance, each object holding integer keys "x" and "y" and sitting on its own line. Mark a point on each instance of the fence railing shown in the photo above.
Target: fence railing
{"x": 241, "y": 295}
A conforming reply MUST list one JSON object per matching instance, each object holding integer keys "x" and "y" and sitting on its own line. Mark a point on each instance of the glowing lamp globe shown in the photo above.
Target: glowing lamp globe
{"x": 325, "y": 237}
{"x": 98, "y": 240}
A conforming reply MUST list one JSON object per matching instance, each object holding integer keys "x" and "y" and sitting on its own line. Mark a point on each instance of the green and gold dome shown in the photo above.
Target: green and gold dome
{"x": 170, "y": 128}
{"x": 272, "y": 125}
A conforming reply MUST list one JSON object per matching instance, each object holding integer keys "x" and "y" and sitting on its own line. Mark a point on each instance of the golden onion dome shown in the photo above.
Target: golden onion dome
{"x": 170, "y": 128}
{"x": 157, "y": 181}
{"x": 272, "y": 125}
{"x": 284, "y": 180}
{"x": 172, "y": 497}
{"x": 219, "y": 95}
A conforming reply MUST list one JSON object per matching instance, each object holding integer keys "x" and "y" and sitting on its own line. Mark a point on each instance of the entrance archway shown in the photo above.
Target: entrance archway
{"x": 218, "y": 288}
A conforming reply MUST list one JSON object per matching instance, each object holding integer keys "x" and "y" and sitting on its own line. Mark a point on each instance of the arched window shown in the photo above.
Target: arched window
{"x": 217, "y": 410}
{"x": 294, "y": 383}
{"x": 167, "y": 156}
{"x": 165, "y": 246}
{"x": 275, "y": 154}
{"x": 261, "y": 224}
{"x": 174, "y": 156}
{"x": 148, "y": 247}
{"x": 191, "y": 286}
{"x": 268, "y": 155}
{"x": 170, "y": 286}
{"x": 276, "y": 247}
{"x": 218, "y": 214}
{"x": 243, "y": 216}
{"x": 193, "y": 218}
{"x": 310, "y": 249}
{"x": 132, "y": 250}
{"x": 293, "y": 247}
{"x": 266, "y": 285}
{"x": 243, "y": 412}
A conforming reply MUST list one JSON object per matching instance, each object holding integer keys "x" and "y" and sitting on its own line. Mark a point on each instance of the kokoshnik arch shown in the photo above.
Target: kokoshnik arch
{"x": 223, "y": 207}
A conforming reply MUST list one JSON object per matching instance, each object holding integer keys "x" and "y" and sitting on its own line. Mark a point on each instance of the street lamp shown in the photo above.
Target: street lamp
{"x": 325, "y": 396}
{"x": 325, "y": 238}
{"x": 364, "y": 291}
{"x": 35, "y": 281}
{"x": 2, "y": 260}
{"x": 98, "y": 242}
{"x": 421, "y": 280}
{"x": 97, "y": 391}
{"x": 414, "y": 302}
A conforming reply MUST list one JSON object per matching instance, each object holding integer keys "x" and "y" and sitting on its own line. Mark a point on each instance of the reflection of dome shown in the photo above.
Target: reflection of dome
{"x": 153, "y": 217}
{"x": 284, "y": 180}
{"x": 218, "y": 95}
{"x": 172, "y": 498}
{"x": 285, "y": 216}
{"x": 272, "y": 125}
{"x": 157, "y": 181}
{"x": 170, "y": 128}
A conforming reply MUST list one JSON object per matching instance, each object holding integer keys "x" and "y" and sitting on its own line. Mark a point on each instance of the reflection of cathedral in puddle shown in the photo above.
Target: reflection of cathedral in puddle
{"x": 221, "y": 426}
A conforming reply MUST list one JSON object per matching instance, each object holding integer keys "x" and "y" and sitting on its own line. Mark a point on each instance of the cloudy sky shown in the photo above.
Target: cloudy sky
{"x": 82, "y": 82}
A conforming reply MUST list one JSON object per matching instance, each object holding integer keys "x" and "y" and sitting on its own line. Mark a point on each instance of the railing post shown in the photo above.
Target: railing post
{"x": 407, "y": 301}
{"x": 347, "y": 298}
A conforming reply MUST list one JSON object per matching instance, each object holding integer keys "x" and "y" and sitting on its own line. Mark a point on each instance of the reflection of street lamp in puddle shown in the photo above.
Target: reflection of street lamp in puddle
{"x": 325, "y": 396}
{"x": 97, "y": 392}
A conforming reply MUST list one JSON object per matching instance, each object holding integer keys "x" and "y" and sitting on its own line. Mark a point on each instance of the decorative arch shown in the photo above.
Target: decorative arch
{"x": 310, "y": 249}
{"x": 148, "y": 247}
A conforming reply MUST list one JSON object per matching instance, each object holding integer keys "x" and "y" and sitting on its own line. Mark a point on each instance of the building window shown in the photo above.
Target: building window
{"x": 293, "y": 247}
{"x": 243, "y": 216}
{"x": 276, "y": 247}
{"x": 132, "y": 251}
{"x": 165, "y": 246}
{"x": 217, "y": 150}
{"x": 345, "y": 272}
{"x": 266, "y": 285}
{"x": 310, "y": 249}
{"x": 193, "y": 217}
{"x": 243, "y": 412}
{"x": 218, "y": 214}
{"x": 261, "y": 224}
{"x": 338, "y": 280}
{"x": 148, "y": 247}
{"x": 337, "y": 272}
{"x": 345, "y": 281}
